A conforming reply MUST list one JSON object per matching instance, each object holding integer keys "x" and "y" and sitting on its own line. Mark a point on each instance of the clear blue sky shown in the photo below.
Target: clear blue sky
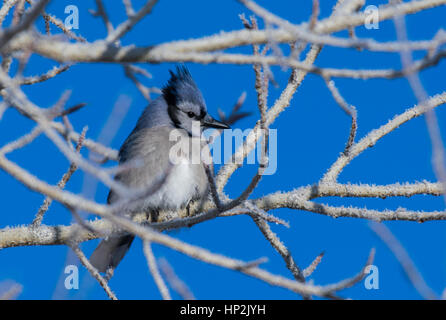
{"x": 311, "y": 133}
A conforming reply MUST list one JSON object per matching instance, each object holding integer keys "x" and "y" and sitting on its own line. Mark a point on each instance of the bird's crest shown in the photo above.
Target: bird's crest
{"x": 180, "y": 86}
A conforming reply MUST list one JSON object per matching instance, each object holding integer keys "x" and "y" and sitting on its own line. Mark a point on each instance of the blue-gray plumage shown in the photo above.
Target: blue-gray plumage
{"x": 180, "y": 105}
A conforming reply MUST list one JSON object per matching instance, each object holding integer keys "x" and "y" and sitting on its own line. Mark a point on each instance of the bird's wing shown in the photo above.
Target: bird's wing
{"x": 146, "y": 152}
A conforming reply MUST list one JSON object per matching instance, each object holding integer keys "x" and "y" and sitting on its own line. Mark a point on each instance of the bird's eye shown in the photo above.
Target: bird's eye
{"x": 190, "y": 114}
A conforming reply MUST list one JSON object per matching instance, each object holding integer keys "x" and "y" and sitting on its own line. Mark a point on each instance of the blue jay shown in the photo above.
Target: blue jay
{"x": 178, "y": 108}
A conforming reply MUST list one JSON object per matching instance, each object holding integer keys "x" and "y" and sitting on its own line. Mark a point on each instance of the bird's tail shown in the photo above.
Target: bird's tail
{"x": 110, "y": 252}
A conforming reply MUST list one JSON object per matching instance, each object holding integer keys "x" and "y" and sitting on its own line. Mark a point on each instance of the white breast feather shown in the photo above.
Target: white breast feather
{"x": 178, "y": 189}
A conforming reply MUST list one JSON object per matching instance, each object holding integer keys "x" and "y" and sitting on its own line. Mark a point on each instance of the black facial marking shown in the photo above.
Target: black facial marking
{"x": 202, "y": 114}
{"x": 172, "y": 111}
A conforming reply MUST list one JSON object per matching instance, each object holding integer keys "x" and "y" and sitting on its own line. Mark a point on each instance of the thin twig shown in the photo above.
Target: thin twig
{"x": 174, "y": 281}
{"x": 404, "y": 259}
{"x": 123, "y": 28}
{"x": 61, "y": 184}
{"x": 350, "y": 110}
{"x": 308, "y": 271}
{"x": 100, "y": 12}
{"x": 153, "y": 267}
{"x": 44, "y": 77}
{"x": 93, "y": 271}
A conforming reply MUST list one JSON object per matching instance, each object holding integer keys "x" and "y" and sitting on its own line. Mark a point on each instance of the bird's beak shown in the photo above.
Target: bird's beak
{"x": 209, "y": 122}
